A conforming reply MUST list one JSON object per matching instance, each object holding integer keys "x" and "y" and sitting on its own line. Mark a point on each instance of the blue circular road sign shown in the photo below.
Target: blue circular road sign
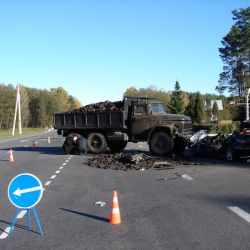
{"x": 25, "y": 191}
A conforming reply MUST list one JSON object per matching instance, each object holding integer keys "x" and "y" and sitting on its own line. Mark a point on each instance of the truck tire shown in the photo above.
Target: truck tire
{"x": 96, "y": 143}
{"x": 117, "y": 147}
{"x": 160, "y": 143}
{"x": 70, "y": 146}
{"x": 67, "y": 148}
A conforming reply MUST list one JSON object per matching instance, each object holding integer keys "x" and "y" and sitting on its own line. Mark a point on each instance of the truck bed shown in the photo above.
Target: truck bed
{"x": 89, "y": 120}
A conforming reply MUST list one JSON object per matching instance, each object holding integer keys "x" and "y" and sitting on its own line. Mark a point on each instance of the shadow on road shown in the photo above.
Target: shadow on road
{"x": 87, "y": 215}
{"x": 17, "y": 226}
{"x": 42, "y": 150}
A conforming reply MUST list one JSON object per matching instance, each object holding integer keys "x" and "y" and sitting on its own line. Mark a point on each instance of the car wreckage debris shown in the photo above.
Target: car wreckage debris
{"x": 137, "y": 161}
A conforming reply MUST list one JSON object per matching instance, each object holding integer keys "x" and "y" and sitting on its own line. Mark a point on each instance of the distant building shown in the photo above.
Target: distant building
{"x": 219, "y": 104}
{"x": 213, "y": 117}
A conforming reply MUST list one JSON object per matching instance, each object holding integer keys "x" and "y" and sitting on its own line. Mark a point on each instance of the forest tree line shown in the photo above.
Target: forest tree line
{"x": 37, "y": 106}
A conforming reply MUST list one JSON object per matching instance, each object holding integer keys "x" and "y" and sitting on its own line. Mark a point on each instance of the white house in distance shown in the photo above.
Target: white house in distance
{"x": 220, "y": 108}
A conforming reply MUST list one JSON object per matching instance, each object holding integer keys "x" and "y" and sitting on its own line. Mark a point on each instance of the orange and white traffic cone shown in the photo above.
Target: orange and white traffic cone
{"x": 48, "y": 140}
{"x": 115, "y": 217}
{"x": 11, "y": 157}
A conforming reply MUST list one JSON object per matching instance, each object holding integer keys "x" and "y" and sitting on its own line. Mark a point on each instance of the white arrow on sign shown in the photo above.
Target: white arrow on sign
{"x": 19, "y": 191}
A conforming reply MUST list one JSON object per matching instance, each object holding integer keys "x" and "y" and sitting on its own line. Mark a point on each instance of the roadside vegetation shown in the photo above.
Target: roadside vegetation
{"x": 26, "y": 131}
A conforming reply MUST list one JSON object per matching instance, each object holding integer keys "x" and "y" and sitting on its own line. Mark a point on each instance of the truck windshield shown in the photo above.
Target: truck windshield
{"x": 158, "y": 108}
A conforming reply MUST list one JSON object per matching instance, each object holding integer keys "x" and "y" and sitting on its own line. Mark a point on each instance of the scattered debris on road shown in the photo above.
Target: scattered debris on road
{"x": 100, "y": 203}
{"x": 136, "y": 161}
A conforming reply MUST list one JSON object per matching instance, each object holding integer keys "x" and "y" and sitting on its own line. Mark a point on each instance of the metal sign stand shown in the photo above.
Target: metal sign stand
{"x": 28, "y": 219}
{"x": 25, "y": 191}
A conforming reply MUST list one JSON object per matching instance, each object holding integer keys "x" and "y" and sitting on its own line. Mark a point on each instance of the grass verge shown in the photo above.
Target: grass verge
{"x": 26, "y": 131}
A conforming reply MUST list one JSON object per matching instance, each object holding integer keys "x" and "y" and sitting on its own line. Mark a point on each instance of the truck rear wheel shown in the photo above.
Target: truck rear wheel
{"x": 160, "y": 143}
{"x": 96, "y": 143}
{"x": 117, "y": 146}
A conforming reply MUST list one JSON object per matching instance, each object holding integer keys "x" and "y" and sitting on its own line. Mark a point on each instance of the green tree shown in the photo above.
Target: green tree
{"x": 199, "y": 109}
{"x": 215, "y": 110}
{"x": 24, "y": 100}
{"x": 150, "y": 91}
{"x": 190, "y": 110}
{"x": 7, "y": 106}
{"x": 235, "y": 54}
{"x": 131, "y": 91}
{"x": 176, "y": 104}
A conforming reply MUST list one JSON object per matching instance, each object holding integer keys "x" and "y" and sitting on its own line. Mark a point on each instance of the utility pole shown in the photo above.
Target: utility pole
{"x": 17, "y": 109}
{"x": 247, "y": 105}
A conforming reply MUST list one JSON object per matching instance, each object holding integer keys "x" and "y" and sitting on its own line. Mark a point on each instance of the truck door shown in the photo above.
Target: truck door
{"x": 139, "y": 127}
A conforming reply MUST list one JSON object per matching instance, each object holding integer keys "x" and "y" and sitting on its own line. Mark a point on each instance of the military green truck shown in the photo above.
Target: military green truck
{"x": 139, "y": 119}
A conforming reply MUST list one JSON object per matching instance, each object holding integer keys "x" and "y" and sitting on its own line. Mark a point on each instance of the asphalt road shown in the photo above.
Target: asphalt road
{"x": 189, "y": 207}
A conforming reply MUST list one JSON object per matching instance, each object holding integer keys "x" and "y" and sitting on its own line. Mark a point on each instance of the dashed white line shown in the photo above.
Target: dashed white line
{"x": 53, "y": 177}
{"x": 64, "y": 164}
{"x": 24, "y": 140}
{"x": 187, "y": 177}
{"x": 57, "y": 172}
{"x": 61, "y": 167}
{"x": 240, "y": 212}
{"x": 5, "y": 234}
{"x": 47, "y": 183}
{"x": 67, "y": 161}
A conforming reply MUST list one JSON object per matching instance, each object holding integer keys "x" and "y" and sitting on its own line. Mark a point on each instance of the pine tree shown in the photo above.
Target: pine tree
{"x": 199, "y": 109}
{"x": 235, "y": 55}
{"x": 215, "y": 110}
{"x": 176, "y": 104}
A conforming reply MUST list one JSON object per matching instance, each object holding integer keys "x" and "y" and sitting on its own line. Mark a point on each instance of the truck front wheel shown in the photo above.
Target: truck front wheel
{"x": 117, "y": 147}
{"x": 96, "y": 143}
{"x": 161, "y": 143}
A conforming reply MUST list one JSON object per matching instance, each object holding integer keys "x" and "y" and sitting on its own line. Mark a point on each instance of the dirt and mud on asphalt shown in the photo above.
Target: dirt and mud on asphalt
{"x": 137, "y": 161}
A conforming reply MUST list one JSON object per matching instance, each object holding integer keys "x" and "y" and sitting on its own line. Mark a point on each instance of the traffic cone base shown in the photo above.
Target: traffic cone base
{"x": 115, "y": 217}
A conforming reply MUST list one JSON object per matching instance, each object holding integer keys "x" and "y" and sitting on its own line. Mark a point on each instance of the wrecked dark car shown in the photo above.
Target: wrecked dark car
{"x": 237, "y": 145}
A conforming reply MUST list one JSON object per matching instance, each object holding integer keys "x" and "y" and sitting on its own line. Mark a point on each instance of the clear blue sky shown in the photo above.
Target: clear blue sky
{"x": 97, "y": 49}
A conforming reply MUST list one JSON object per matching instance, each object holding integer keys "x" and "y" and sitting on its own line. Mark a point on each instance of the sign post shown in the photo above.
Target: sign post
{"x": 24, "y": 192}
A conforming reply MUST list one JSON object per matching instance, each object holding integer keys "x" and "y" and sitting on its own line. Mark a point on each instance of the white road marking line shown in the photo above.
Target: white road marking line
{"x": 24, "y": 140}
{"x": 47, "y": 183}
{"x": 53, "y": 177}
{"x": 4, "y": 234}
{"x": 26, "y": 146}
{"x": 57, "y": 172}
{"x": 21, "y": 214}
{"x": 187, "y": 177}
{"x": 67, "y": 161}
{"x": 61, "y": 167}
{"x": 64, "y": 164}
{"x": 240, "y": 212}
